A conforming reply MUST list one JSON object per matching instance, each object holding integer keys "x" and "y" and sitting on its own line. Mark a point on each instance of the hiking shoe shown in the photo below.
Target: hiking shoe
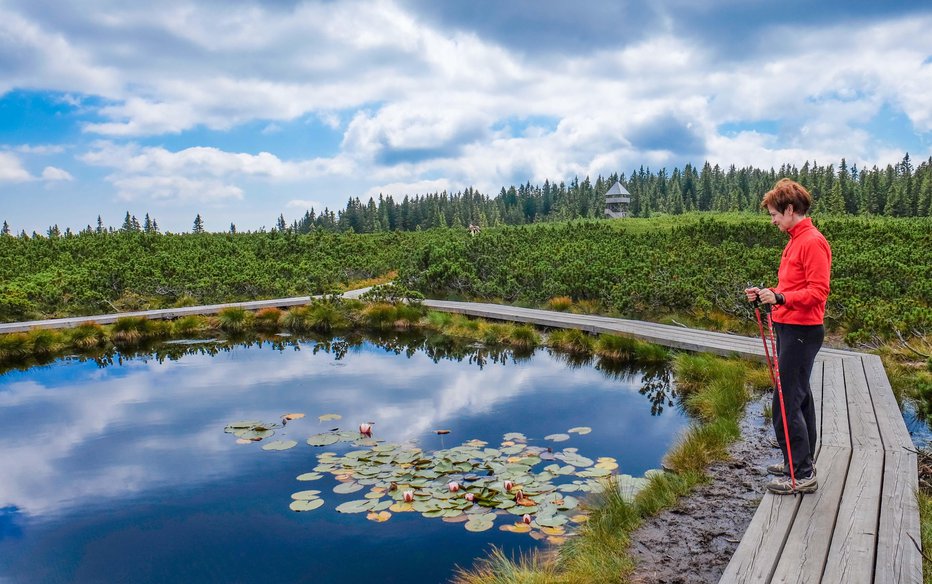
{"x": 779, "y": 470}
{"x": 776, "y": 469}
{"x": 784, "y": 485}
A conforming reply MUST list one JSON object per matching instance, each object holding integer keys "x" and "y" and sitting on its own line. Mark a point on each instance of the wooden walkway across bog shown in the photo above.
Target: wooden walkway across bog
{"x": 861, "y": 526}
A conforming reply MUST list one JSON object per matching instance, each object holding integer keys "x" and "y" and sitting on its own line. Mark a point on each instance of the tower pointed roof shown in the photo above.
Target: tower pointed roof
{"x": 617, "y": 191}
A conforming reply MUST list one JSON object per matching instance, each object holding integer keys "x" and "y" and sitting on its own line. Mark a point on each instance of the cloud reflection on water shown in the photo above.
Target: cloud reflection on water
{"x": 77, "y": 435}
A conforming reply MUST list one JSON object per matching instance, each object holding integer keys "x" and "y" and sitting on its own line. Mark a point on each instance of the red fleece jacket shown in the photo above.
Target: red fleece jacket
{"x": 805, "y": 270}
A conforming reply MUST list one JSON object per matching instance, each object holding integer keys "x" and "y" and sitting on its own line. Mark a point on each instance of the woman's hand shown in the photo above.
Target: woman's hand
{"x": 764, "y": 295}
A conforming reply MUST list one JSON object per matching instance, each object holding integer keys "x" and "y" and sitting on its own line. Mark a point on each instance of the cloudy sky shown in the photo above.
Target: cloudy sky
{"x": 243, "y": 110}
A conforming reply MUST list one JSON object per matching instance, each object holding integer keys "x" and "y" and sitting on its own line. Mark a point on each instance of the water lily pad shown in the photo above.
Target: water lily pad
{"x": 357, "y": 506}
{"x": 290, "y": 417}
{"x": 461, "y": 518}
{"x": 241, "y": 425}
{"x": 329, "y": 417}
{"x": 280, "y": 445}
{"x": 325, "y": 439}
{"x": 305, "y": 495}
{"x": 553, "y": 530}
{"x": 581, "y": 430}
{"x": 519, "y": 527}
{"x": 254, "y": 433}
{"x": 347, "y": 488}
{"x": 515, "y": 436}
{"x": 574, "y": 459}
{"x": 557, "y": 437}
{"x": 401, "y": 507}
{"x": 594, "y": 472}
{"x": 306, "y": 504}
{"x": 551, "y": 521}
{"x": 556, "y": 540}
{"x": 477, "y": 526}
{"x": 310, "y": 476}
{"x": 379, "y": 517}
{"x": 383, "y": 505}
{"x": 244, "y": 441}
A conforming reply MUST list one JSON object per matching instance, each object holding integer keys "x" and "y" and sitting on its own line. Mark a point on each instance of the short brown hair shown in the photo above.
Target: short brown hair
{"x": 785, "y": 193}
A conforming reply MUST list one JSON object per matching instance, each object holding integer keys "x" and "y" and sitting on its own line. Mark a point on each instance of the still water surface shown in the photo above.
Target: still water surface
{"x": 122, "y": 472}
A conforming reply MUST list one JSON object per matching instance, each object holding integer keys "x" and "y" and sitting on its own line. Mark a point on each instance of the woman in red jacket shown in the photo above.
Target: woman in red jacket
{"x": 798, "y": 310}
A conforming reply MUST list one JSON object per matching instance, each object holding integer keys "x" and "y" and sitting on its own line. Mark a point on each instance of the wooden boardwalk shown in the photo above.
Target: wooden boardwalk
{"x": 861, "y": 526}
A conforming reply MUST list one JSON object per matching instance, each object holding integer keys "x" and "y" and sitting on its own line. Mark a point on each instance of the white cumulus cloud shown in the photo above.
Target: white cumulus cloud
{"x": 52, "y": 173}
{"x": 11, "y": 169}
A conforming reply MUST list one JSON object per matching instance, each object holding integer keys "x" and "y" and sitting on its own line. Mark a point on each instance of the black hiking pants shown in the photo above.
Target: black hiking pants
{"x": 797, "y": 346}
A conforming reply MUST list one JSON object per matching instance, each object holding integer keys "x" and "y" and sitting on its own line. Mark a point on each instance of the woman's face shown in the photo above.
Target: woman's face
{"x": 783, "y": 220}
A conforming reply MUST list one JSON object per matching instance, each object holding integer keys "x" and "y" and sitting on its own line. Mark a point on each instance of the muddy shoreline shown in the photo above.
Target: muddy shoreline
{"x": 693, "y": 542}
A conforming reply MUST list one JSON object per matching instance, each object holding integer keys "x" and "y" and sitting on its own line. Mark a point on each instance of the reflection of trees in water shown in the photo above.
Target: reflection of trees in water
{"x": 443, "y": 348}
{"x": 656, "y": 381}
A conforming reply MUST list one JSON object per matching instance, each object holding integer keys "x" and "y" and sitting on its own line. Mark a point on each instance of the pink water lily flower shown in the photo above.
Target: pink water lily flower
{"x": 453, "y": 486}
{"x": 526, "y": 519}
{"x": 470, "y": 497}
{"x": 365, "y": 429}
{"x": 408, "y": 496}
{"x": 508, "y": 486}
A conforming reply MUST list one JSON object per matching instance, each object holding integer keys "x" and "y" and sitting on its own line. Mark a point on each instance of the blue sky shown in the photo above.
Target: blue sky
{"x": 244, "y": 110}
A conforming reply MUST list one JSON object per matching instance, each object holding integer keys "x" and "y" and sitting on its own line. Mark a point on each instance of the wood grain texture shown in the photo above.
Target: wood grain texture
{"x": 807, "y": 544}
{"x": 851, "y": 556}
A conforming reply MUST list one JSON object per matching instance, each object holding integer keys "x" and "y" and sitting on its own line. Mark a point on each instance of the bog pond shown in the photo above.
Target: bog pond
{"x": 244, "y": 462}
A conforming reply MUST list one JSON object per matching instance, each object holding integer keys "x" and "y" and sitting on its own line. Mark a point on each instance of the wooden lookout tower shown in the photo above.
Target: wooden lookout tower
{"x": 617, "y": 200}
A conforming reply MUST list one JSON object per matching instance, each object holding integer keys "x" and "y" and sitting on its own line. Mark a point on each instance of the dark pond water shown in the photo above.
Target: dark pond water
{"x": 122, "y": 472}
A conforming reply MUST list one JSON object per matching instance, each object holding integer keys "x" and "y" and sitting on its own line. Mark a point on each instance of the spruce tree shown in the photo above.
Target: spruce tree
{"x": 198, "y": 226}
{"x": 6, "y": 228}
{"x": 835, "y": 202}
{"x": 924, "y": 204}
{"x": 127, "y": 223}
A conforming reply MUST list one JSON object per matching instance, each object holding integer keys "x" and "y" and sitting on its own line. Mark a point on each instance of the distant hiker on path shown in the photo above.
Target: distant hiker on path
{"x": 798, "y": 309}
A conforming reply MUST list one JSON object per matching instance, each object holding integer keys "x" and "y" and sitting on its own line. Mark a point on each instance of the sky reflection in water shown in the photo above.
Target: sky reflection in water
{"x": 124, "y": 473}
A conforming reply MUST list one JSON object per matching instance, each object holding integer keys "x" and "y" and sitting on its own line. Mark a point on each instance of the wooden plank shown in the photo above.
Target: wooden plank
{"x": 893, "y": 430}
{"x": 864, "y": 430}
{"x": 762, "y": 543}
{"x": 851, "y": 556}
{"x": 898, "y": 558}
{"x": 807, "y": 545}
{"x": 835, "y": 428}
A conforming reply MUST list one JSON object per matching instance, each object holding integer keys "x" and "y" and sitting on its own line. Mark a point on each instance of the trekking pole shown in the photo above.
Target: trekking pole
{"x": 776, "y": 375}
{"x": 760, "y": 327}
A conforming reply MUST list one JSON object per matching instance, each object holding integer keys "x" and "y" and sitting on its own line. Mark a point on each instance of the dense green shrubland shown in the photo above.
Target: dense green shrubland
{"x": 881, "y": 275}
{"x": 642, "y": 268}
{"x": 94, "y": 273}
